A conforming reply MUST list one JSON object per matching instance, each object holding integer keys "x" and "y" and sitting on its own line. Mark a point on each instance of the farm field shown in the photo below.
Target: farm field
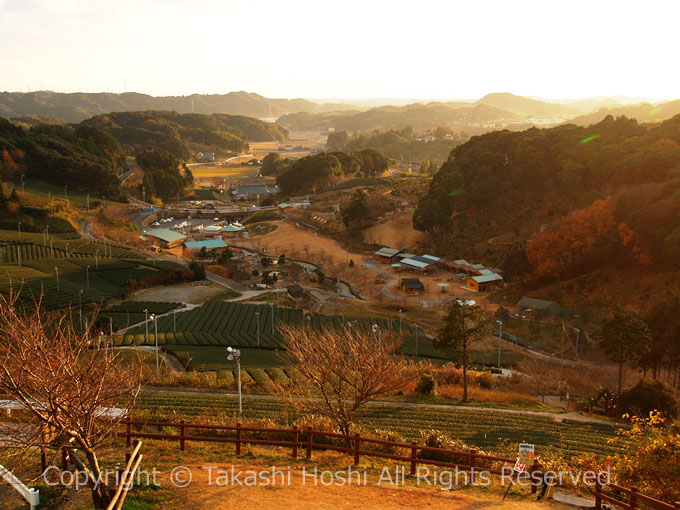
{"x": 204, "y": 172}
{"x": 221, "y": 324}
{"x": 492, "y": 430}
{"x": 79, "y": 200}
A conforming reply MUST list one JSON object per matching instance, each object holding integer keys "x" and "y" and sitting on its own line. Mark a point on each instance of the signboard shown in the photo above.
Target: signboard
{"x": 518, "y": 467}
{"x": 526, "y": 454}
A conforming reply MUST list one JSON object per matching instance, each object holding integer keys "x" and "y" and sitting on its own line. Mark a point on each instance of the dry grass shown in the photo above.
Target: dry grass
{"x": 396, "y": 233}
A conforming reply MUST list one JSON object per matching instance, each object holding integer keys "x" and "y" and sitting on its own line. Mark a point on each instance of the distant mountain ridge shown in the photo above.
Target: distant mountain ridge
{"x": 78, "y": 106}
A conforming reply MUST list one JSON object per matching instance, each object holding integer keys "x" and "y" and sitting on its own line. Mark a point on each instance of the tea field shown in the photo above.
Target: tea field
{"x": 489, "y": 429}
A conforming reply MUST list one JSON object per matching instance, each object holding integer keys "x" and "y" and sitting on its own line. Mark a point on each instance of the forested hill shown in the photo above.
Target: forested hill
{"x": 184, "y": 134}
{"x": 81, "y": 157}
{"x": 641, "y": 112}
{"x": 561, "y": 202}
{"x": 78, "y": 106}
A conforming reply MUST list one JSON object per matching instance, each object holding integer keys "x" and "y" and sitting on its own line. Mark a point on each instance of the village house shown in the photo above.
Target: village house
{"x": 412, "y": 285}
{"x": 484, "y": 282}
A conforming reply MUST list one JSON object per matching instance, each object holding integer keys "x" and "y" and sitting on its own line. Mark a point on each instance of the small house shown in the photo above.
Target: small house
{"x": 412, "y": 285}
{"x": 482, "y": 283}
{"x": 415, "y": 265}
{"x": 385, "y": 254}
{"x": 166, "y": 238}
{"x": 295, "y": 291}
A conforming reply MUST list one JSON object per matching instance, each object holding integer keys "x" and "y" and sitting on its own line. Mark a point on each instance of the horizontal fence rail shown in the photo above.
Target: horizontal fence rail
{"x": 308, "y": 439}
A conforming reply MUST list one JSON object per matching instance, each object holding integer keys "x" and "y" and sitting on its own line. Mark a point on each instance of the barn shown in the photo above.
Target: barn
{"x": 192, "y": 248}
{"x": 386, "y": 254}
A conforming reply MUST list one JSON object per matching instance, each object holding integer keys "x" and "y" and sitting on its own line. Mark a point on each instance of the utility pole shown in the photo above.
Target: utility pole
{"x": 146, "y": 326}
{"x": 576, "y": 349}
{"x": 416, "y": 326}
{"x": 56, "y": 269}
{"x": 87, "y": 274}
{"x": 257, "y": 315}
{"x": 500, "y": 335}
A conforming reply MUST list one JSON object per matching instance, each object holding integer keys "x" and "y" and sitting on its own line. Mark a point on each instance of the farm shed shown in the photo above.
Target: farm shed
{"x": 231, "y": 231}
{"x": 193, "y": 247}
{"x": 166, "y": 238}
{"x": 456, "y": 266}
{"x": 483, "y": 282}
{"x": 541, "y": 305}
{"x": 387, "y": 254}
{"x": 412, "y": 285}
{"x": 415, "y": 265}
{"x": 295, "y": 291}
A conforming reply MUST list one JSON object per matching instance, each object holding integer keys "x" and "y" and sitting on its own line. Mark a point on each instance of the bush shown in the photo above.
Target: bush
{"x": 197, "y": 270}
{"x": 484, "y": 380}
{"x": 646, "y": 396}
{"x": 427, "y": 385}
{"x": 436, "y": 439}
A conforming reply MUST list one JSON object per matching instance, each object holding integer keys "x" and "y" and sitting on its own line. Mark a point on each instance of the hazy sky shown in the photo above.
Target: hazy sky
{"x": 344, "y": 48}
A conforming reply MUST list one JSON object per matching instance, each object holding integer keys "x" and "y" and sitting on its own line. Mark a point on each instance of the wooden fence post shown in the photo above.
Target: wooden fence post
{"x": 535, "y": 467}
{"x": 310, "y": 435}
{"x": 598, "y": 491}
{"x": 633, "y": 497}
{"x": 238, "y": 438}
{"x": 182, "y": 435}
{"x": 64, "y": 459}
{"x": 295, "y": 442}
{"x": 414, "y": 453}
{"x": 357, "y": 442}
{"x": 128, "y": 432}
{"x": 473, "y": 460}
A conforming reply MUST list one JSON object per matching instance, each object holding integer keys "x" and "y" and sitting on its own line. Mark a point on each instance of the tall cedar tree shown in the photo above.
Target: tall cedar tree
{"x": 463, "y": 325}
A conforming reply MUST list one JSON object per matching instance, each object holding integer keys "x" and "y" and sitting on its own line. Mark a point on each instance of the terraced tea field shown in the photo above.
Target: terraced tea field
{"x": 235, "y": 324}
{"x": 492, "y": 430}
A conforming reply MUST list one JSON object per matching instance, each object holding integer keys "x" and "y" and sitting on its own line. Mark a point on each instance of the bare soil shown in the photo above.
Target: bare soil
{"x": 396, "y": 233}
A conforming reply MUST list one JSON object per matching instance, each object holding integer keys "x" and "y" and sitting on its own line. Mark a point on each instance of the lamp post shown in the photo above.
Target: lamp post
{"x": 376, "y": 330}
{"x": 56, "y": 269}
{"x": 309, "y": 324}
{"x": 80, "y": 309}
{"x": 87, "y": 275}
{"x": 271, "y": 307}
{"x": 400, "y": 312}
{"x": 500, "y": 335}
{"x": 577, "y": 332}
{"x": 146, "y": 326}
{"x": 155, "y": 337}
{"x": 174, "y": 321}
{"x": 235, "y": 355}
{"x": 96, "y": 259}
{"x": 257, "y": 315}
{"x": 19, "y": 230}
{"x": 416, "y": 326}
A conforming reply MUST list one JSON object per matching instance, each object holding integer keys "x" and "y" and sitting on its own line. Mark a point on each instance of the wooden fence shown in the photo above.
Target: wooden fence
{"x": 308, "y": 440}
{"x": 615, "y": 494}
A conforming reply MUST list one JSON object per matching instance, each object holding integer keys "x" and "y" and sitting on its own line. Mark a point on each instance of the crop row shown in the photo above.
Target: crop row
{"x": 221, "y": 323}
{"x": 491, "y": 429}
{"x": 140, "y": 306}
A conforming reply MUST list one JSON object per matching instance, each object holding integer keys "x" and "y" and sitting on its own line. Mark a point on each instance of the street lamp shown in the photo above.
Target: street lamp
{"x": 80, "y": 309}
{"x": 416, "y": 326}
{"x": 146, "y": 327}
{"x": 257, "y": 314}
{"x": 500, "y": 335}
{"x": 309, "y": 323}
{"x": 235, "y": 355}
{"x": 577, "y": 332}
{"x": 155, "y": 337}
{"x": 174, "y": 321}
{"x": 376, "y": 330}
{"x": 96, "y": 259}
{"x": 57, "y": 271}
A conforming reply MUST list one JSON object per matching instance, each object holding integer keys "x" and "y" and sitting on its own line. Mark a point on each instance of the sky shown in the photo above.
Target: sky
{"x": 344, "y": 49}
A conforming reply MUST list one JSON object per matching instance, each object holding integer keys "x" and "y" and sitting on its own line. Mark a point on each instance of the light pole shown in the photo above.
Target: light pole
{"x": 65, "y": 196}
{"x": 174, "y": 321}
{"x": 257, "y": 315}
{"x": 96, "y": 259}
{"x": 400, "y": 311}
{"x": 57, "y": 271}
{"x": 87, "y": 275}
{"x": 271, "y": 307}
{"x": 416, "y": 326}
{"x": 155, "y": 337}
{"x": 500, "y": 335}
{"x": 146, "y": 327}
{"x": 19, "y": 230}
{"x": 235, "y": 355}
{"x": 376, "y": 330}
{"x": 80, "y": 309}
{"x": 309, "y": 324}
{"x": 577, "y": 332}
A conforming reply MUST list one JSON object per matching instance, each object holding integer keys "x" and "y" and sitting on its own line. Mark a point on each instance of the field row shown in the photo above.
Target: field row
{"x": 488, "y": 429}
{"x": 242, "y": 325}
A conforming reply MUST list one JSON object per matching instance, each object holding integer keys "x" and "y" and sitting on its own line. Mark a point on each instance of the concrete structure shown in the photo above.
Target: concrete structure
{"x": 165, "y": 237}
{"x": 295, "y": 291}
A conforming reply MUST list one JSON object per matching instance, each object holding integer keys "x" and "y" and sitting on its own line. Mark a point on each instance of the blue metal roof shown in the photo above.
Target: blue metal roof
{"x": 209, "y": 244}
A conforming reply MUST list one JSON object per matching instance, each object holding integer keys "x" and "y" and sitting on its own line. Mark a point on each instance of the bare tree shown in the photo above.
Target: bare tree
{"x": 69, "y": 384}
{"x": 343, "y": 369}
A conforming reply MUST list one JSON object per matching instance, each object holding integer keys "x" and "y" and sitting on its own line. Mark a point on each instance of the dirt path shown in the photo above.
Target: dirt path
{"x": 295, "y": 488}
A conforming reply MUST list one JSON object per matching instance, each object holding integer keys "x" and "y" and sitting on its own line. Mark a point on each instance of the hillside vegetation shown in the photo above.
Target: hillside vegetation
{"x": 182, "y": 134}
{"x": 78, "y": 106}
{"x": 564, "y": 201}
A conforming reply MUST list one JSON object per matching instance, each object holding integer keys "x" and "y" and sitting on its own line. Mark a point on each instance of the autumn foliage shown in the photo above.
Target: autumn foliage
{"x": 589, "y": 233}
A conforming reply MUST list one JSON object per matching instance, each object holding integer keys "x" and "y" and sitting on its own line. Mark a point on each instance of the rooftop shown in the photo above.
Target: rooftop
{"x": 386, "y": 252}
{"x": 208, "y": 244}
{"x": 486, "y": 278}
{"x": 414, "y": 263}
{"x": 164, "y": 234}
{"x": 231, "y": 228}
